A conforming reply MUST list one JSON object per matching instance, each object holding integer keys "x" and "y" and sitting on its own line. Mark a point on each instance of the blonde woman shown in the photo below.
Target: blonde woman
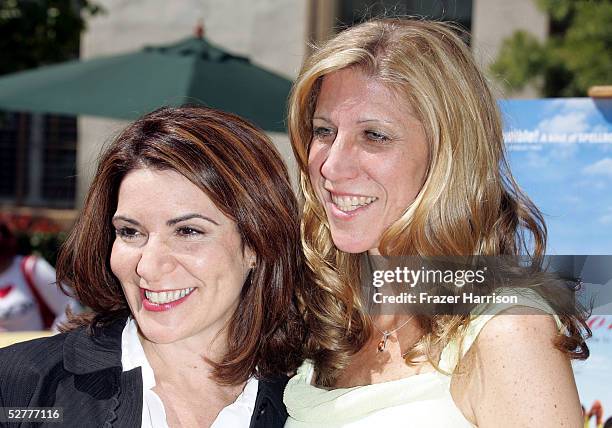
{"x": 400, "y": 148}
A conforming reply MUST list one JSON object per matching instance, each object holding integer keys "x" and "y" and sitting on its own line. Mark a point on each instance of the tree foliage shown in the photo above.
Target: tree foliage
{"x": 39, "y": 32}
{"x": 576, "y": 55}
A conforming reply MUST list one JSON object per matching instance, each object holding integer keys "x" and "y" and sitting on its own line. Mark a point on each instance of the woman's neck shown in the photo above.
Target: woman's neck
{"x": 184, "y": 362}
{"x": 183, "y": 376}
{"x": 371, "y": 365}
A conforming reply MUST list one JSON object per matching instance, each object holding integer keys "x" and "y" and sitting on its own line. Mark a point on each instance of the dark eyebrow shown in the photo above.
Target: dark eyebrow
{"x": 189, "y": 217}
{"x": 126, "y": 219}
{"x": 171, "y": 222}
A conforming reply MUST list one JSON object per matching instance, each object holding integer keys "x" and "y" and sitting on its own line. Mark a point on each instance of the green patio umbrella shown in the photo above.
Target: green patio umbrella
{"x": 126, "y": 86}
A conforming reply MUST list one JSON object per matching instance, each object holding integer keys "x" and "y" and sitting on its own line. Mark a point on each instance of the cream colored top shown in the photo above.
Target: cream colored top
{"x": 422, "y": 400}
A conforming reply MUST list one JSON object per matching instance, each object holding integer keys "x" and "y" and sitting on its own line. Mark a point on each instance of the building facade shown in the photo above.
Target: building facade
{"x": 275, "y": 34}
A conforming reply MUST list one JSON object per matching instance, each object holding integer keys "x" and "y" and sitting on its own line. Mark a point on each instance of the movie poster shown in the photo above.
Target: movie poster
{"x": 560, "y": 152}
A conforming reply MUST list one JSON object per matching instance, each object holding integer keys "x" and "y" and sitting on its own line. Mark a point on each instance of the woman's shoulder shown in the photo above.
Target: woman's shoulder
{"x": 513, "y": 358}
{"x": 28, "y": 364}
{"x": 518, "y": 332}
{"x": 33, "y": 353}
{"x": 503, "y": 321}
{"x": 25, "y": 365}
{"x": 80, "y": 366}
{"x": 526, "y": 325}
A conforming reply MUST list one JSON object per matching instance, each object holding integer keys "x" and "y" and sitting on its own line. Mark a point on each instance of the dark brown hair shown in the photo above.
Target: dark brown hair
{"x": 239, "y": 169}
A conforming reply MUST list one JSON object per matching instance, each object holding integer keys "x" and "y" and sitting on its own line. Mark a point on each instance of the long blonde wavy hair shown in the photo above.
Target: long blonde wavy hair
{"x": 469, "y": 203}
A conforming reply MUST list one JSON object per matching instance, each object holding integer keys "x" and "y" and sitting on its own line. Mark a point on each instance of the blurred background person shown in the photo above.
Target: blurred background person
{"x": 30, "y": 299}
{"x": 596, "y": 412}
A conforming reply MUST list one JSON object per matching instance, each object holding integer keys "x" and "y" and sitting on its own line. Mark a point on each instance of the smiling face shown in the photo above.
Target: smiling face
{"x": 367, "y": 160}
{"x": 179, "y": 259}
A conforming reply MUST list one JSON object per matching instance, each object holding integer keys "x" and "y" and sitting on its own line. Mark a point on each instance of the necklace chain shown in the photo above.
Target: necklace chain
{"x": 382, "y": 344}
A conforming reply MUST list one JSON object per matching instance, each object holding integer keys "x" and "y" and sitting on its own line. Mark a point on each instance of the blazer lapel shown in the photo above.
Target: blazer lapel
{"x": 103, "y": 392}
{"x": 270, "y": 411}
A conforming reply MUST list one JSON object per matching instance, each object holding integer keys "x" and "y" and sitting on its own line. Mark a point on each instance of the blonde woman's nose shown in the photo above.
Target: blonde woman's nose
{"x": 342, "y": 160}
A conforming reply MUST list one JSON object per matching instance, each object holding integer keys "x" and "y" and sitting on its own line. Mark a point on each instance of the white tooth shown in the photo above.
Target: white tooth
{"x": 350, "y": 203}
{"x": 167, "y": 296}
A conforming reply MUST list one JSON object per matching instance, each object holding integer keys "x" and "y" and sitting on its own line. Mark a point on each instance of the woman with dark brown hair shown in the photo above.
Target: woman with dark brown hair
{"x": 187, "y": 251}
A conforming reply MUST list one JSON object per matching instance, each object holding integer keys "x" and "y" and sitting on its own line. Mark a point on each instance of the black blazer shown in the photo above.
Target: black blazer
{"x": 83, "y": 374}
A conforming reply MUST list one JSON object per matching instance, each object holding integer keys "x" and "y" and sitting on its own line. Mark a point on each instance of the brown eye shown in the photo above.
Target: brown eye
{"x": 127, "y": 233}
{"x": 189, "y": 232}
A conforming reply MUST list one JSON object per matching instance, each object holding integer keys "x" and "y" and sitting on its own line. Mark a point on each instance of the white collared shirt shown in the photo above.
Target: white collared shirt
{"x": 237, "y": 414}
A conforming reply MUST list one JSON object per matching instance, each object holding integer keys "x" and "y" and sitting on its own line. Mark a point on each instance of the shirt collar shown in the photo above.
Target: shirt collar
{"x": 133, "y": 354}
{"x": 88, "y": 351}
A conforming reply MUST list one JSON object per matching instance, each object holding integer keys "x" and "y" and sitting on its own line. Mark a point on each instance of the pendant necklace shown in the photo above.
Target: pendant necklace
{"x": 386, "y": 334}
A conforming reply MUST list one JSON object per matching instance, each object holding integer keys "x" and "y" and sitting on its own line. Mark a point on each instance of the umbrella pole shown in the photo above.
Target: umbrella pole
{"x": 35, "y": 158}
{"x": 22, "y": 147}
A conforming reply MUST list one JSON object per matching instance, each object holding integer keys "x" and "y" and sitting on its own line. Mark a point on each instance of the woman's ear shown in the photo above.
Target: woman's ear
{"x": 250, "y": 257}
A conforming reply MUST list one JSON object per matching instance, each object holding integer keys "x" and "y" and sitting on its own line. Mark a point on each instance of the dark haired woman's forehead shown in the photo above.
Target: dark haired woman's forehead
{"x": 166, "y": 197}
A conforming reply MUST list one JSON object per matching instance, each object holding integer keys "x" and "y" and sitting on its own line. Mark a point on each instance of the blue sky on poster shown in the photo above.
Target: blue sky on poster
{"x": 594, "y": 376}
{"x": 560, "y": 152}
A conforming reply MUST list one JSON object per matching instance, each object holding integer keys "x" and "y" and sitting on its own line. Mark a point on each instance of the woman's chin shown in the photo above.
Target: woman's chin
{"x": 157, "y": 332}
{"x": 349, "y": 244}
{"x": 159, "y": 336}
